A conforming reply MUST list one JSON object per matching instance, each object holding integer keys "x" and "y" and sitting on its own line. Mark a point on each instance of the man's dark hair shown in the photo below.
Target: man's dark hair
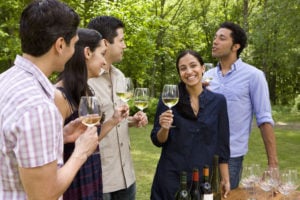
{"x": 43, "y": 22}
{"x": 238, "y": 35}
{"x": 107, "y": 26}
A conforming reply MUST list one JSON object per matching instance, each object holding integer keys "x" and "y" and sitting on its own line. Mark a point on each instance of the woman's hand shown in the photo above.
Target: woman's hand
{"x": 166, "y": 119}
{"x": 73, "y": 130}
{"x": 86, "y": 143}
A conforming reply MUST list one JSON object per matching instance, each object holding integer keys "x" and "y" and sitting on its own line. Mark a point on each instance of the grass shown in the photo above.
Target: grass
{"x": 145, "y": 154}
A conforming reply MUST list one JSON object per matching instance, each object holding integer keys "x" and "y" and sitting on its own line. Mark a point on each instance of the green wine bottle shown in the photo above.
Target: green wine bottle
{"x": 215, "y": 179}
{"x": 183, "y": 192}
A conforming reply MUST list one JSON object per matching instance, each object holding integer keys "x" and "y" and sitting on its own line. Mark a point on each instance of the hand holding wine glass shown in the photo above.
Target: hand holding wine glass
{"x": 265, "y": 183}
{"x": 89, "y": 111}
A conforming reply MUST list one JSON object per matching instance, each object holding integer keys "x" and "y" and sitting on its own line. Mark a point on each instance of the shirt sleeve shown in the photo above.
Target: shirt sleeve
{"x": 39, "y": 136}
{"x": 223, "y": 131}
{"x": 156, "y": 126}
{"x": 259, "y": 94}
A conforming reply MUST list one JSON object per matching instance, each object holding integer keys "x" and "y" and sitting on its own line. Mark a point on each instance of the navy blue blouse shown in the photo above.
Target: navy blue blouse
{"x": 192, "y": 142}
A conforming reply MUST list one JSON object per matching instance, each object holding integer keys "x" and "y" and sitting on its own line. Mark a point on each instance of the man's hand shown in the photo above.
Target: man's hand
{"x": 139, "y": 119}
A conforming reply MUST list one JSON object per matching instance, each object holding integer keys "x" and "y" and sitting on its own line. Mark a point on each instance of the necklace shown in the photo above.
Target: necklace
{"x": 195, "y": 106}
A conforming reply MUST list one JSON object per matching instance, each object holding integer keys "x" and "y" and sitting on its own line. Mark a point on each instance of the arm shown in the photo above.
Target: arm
{"x": 269, "y": 139}
{"x": 47, "y": 181}
{"x": 262, "y": 108}
{"x": 62, "y": 104}
{"x": 162, "y": 124}
{"x": 165, "y": 121}
{"x": 120, "y": 114}
{"x": 225, "y": 181}
{"x": 65, "y": 110}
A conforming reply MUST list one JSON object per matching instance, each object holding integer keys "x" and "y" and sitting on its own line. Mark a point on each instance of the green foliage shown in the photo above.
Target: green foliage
{"x": 157, "y": 30}
{"x": 296, "y": 107}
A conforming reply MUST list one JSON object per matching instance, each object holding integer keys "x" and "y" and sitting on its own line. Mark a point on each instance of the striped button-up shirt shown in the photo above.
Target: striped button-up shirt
{"x": 30, "y": 125}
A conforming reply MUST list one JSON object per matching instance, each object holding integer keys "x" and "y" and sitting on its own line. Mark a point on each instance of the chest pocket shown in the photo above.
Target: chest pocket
{"x": 234, "y": 94}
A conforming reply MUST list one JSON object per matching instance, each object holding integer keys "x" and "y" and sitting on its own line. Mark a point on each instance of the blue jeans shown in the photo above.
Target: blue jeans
{"x": 235, "y": 171}
{"x": 125, "y": 194}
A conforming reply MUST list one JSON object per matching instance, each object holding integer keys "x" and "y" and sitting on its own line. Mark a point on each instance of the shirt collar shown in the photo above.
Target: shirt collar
{"x": 235, "y": 66}
{"x": 31, "y": 68}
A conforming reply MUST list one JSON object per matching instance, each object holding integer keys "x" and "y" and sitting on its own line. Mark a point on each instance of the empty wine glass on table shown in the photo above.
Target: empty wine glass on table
{"x": 275, "y": 180}
{"x": 265, "y": 183}
{"x": 125, "y": 89}
{"x": 288, "y": 182}
{"x": 141, "y": 98}
{"x": 250, "y": 177}
{"x": 89, "y": 110}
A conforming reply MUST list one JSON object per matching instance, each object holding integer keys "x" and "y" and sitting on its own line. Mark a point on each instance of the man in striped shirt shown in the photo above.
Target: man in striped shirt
{"x": 31, "y": 131}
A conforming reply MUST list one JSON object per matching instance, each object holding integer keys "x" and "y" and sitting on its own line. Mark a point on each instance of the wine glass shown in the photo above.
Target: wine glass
{"x": 125, "y": 91}
{"x": 170, "y": 95}
{"x": 208, "y": 66}
{"x": 288, "y": 182}
{"x": 141, "y": 98}
{"x": 265, "y": 183}
{"x": 248, "y": 180}
{"x": 89, "y": 110}
{"x": 275, "y": 180}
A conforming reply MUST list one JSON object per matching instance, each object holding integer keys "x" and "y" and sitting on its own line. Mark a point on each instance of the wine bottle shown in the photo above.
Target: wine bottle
{"x": 215, "y": 179}
{"x": 195, "y": 192}
{"x": 183, "y": 192}
{"x": 205, "y": 186}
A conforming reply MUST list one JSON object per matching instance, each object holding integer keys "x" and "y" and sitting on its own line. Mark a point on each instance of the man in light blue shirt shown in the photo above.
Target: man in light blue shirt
{"x": 247, "y": 94}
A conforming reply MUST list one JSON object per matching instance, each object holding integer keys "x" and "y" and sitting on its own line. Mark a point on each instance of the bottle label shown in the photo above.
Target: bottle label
{"x": 208, "y": 197}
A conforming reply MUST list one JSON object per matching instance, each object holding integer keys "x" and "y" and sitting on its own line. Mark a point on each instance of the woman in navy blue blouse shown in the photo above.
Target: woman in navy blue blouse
{"x": 201, "y": 130}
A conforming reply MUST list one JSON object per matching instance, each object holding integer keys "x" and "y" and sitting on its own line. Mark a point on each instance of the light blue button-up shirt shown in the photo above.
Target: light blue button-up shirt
{"x": 247, "y": 94}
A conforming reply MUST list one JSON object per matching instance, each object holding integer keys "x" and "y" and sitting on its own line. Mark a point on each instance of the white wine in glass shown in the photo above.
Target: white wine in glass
{"x": 170, "y": 95}
{"x": 125, "y": 92}
{"x": 89, "y": 110}
{"x": 141, "y": 98}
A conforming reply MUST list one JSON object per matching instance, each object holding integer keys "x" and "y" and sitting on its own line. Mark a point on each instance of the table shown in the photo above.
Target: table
{"x": 242, "y": 194}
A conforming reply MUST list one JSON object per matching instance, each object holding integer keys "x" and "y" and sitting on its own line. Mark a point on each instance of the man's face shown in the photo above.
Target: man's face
{"x": 222, "y": 44}
{"x": 115, "y": 50}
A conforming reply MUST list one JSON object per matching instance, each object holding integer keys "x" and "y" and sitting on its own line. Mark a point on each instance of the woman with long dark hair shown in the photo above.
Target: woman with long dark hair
{"x": 87, "y": 62}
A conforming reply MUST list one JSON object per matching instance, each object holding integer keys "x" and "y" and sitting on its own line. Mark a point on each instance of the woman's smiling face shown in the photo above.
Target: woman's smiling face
{"x": 190, "y": 70}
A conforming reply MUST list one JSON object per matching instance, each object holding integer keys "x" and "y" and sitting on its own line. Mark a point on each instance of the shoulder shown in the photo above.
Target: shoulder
{"x": 61, "y": 103}
{"x": 249, "y": 68}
